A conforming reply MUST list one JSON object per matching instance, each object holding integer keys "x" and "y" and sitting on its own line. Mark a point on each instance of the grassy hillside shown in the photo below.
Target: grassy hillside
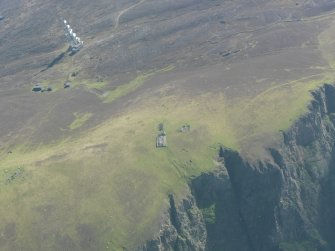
{"x": 79, "y": 169}
{"x": 108, "y": 187}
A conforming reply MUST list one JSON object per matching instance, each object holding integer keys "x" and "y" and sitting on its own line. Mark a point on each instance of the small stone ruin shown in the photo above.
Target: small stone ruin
{"x": 185, "y": 128}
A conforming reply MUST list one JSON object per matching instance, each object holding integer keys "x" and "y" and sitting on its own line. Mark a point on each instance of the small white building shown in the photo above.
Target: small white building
{"x": 161, "y": 140}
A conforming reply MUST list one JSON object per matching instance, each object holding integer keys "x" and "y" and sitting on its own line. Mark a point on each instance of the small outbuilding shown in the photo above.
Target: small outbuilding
{"x": 161, "y": 140}
{"x": 161, "y": 137}
{"x": 37, "y": 88}
{"x": 67, "y": 85}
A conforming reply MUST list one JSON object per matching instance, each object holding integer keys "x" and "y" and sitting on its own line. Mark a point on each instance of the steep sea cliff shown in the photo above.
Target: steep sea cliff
{"x": 285, "y": 202}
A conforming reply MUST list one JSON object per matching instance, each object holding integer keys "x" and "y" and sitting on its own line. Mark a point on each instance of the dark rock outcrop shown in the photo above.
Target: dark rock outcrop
{"x": 182, "y": 230}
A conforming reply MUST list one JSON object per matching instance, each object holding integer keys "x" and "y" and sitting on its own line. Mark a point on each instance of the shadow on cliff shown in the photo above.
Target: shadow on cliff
{"x": 284, "y": 203}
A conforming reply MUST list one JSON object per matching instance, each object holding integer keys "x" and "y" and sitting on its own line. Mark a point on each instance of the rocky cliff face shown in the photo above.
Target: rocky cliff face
{"x": 284, "y": 203}
{"x": 183, "y": 229}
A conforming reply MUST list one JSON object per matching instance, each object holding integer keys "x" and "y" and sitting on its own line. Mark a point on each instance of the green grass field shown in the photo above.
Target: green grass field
{"x": 80, "y": 119}
{"x": 110, "y": 184}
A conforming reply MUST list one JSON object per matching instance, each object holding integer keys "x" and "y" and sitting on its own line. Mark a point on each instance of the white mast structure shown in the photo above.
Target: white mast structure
{"x": 75, "y": 43}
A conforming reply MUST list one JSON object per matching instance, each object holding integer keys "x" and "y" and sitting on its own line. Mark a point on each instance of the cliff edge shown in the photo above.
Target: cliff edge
{"x": 283, "y": 203}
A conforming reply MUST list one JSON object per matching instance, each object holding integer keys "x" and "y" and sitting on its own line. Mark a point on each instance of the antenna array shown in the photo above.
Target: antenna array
{"x": 75, "y": 42}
